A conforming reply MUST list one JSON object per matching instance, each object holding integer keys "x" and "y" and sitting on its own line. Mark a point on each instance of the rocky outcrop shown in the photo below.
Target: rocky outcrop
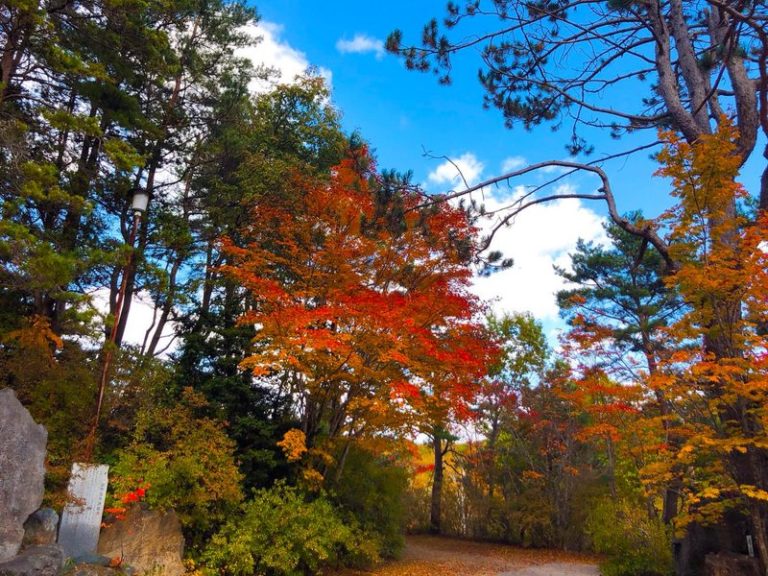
{"x": 22, "y": 469}
{"x": 726, "y": 564}
{"x": 147, "y": 540}
{"x": 35, "y": 561}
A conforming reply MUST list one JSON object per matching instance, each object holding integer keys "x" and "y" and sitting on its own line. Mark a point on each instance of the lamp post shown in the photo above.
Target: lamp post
{"x": 139, "y": 204}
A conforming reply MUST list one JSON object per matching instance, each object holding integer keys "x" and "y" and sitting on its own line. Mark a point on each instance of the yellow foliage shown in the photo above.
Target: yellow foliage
{"x": 717, "y": 387}
{"x": 35, "y": 334}
{"x": 294, "y": 444}
{"x": 313, "y": 480}
{"x": 754, "y": 492}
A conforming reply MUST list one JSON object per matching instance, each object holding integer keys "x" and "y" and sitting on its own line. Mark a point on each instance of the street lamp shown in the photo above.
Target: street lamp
{"x": 139, "y": 204}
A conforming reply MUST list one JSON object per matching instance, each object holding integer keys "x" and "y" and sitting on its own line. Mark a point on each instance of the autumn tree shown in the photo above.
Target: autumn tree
{"x": 523, "y": 355}
{"x": 544, "y": 464}
{"x": 717, "y": 387}
{"x": 359, "y": 317}
{"x": 254, "y": 147}
{"x": 444, "y": 403}
{"x": 618, "y": 309}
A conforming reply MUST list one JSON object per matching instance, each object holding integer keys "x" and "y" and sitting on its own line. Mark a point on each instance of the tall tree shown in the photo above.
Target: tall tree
{"x": 618, "y": 312}
{"x": 717, "y": 387}
{"x": 100, "y": 100}
{"x": 363, "y": 322}
{"x": 620, "y": 287}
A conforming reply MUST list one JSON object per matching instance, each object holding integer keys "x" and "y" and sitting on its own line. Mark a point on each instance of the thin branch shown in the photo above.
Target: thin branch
{"x": 605, "y": 193}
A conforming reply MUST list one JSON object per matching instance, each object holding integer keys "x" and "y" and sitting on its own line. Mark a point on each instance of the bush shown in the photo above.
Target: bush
{"x": 187, "y": 463}
{"x": 636, "y": 544}
{"x": 371, "y": 489}
{"x": 280, "y": 533}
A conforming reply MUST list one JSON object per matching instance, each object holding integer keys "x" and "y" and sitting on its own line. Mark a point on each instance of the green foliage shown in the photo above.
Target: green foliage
{"x": 209, "y": 364}
{"x": 371, "y": 490}
{"x": 281, "y": 533}
{"x": 524, "y": 348}
{"x": 635, "y": 544}
{"x": 622, "y": 288}
{"x": 186, "y": 460}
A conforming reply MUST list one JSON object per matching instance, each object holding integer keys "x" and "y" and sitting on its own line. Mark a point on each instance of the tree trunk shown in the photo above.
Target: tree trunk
{"x": 170, "y": 299}
{"x": 435, "y": 511}
{"x": 721, "y": 340}
{"x": 764, "y": 184}
{"x": 13, "y": 52}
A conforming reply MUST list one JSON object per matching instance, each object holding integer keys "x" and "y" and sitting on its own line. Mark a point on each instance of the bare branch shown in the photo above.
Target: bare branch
{"x": 604, "y": 193}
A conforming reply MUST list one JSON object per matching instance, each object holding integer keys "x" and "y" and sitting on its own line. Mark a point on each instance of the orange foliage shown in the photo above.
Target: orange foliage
{"x": 373, "y": 322}
{"x": 718, "y": 387}
{"x": 294, "y": 445}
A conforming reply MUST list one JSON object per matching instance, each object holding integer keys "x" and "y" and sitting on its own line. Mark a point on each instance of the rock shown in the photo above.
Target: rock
{"x": 94, "y": 559}
{"x": 35, "y": 561}
{"x": 729, "y": 564}
{"x": 146, "y": 540}
{"x": 22, "y": 469}
{"x": 93, "y": 570}
{"x": 40, "y": 528}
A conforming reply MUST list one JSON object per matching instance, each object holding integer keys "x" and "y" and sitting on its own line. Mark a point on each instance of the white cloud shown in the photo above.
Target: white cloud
{"x": 140, "y": 319}
{"x": 513, "y": 163}
{"x": 540, "y": 237}
{"x": 273, "y": 52}
{"x": 456, "y": 171}
{"x": 361, "y": 44}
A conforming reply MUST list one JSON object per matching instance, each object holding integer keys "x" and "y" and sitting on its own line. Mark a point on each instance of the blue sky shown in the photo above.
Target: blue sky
{"x": 403, "y": 114}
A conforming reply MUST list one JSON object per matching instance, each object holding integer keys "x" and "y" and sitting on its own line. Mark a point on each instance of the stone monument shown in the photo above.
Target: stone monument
{"x": 81, "y": 518}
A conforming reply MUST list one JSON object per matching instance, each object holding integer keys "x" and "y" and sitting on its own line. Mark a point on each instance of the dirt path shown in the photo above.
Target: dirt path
{"x": 430, "y": 556}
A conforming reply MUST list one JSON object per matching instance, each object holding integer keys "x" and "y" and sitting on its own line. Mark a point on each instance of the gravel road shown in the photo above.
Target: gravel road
{"x": 431, "y": 556}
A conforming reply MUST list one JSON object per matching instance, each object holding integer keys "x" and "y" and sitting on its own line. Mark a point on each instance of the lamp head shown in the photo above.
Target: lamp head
{"x": 140, "y": 201}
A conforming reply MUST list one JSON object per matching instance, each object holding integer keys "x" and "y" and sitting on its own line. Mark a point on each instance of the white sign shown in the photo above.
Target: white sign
{"x": 81, "y": 519}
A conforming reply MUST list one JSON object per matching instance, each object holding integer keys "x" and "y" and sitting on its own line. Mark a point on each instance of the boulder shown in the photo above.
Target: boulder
{"x": 729, "y": 564}
{"x": 22, "y": 469}
{"x": 35, "y": 561}
{"x": 147, "y": 540}
{"x": 93, "y": 570}
{"x": 93, "y": 559}
{"x": 40, "y": 528}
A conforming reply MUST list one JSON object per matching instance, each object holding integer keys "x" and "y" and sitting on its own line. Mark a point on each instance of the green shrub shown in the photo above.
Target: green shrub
{"x": 371, "y": 489}
{"x": 635, "y": 544}
{"x": 281, "y": 533}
